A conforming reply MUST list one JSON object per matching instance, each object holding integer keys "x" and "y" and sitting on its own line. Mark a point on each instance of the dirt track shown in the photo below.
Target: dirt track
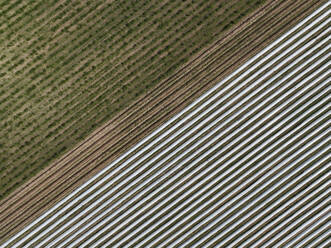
{"x": 149, "y": 112}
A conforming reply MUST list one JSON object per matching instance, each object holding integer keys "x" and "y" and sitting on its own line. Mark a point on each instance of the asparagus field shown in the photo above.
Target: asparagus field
{"x": 244, "y": 165}
{"x": 211, "y": 65}
{"x": 68, "y": 66}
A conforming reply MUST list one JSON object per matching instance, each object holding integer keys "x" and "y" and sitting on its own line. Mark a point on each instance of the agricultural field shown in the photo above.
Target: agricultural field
{"x": 206, "y": 69}
{"x": 244, "y": 165}
{"x": 66, "y": 67}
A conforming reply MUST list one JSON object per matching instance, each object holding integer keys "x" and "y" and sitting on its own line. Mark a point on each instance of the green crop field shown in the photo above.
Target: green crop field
{"x": 68, "y": 66}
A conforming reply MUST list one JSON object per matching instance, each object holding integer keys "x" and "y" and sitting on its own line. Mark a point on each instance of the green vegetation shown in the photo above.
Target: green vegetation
{"x": 68, "y": 66}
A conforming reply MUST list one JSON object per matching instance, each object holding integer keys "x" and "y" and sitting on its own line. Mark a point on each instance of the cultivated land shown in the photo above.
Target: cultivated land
{"x": 68, "y": 66}
{"x": 110, "y": 141}
{"x": 245, "y": 165}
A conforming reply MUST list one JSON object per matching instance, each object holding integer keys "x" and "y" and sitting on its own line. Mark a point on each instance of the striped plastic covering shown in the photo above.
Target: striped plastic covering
{"x": 245, "y": 165}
